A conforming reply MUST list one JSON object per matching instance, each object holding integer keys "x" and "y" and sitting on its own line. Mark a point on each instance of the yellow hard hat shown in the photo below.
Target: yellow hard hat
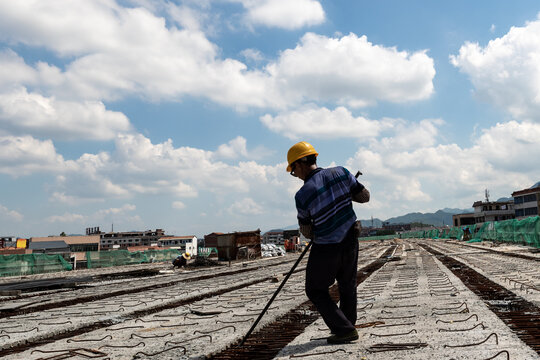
{"x": 186, "y": 256}
{"x": 298, "y": 151}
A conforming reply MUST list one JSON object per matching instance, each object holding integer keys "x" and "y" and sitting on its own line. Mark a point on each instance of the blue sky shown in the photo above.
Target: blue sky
{"x": 178, "y": 114}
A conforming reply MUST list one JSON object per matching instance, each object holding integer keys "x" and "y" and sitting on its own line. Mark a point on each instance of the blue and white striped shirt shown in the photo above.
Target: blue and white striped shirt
{"x": 325, "y": 201}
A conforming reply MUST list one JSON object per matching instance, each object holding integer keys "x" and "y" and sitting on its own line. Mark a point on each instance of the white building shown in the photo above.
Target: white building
{"x": 273, "y": 237}
{"x": 185, "y": 243}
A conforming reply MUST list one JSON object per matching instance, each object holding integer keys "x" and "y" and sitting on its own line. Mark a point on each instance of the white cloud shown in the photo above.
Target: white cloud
{"x": 25, "y": 155}
{"x": 246, "y": 206}
{"x": 286, "y": 14}
{"x": 13, "y": 70}
{"x": 66, "y": 218}
{"x": 252, "y": 55}
{"x": 115, "y": 52}
{"x": 119, "y": 214}
{"x": 506, "y": 72}
{"x": 233, "y": 149}
{"x": 178, "y": 205}
{"x": 316, "y": 122}
{"x": 115, "y": 211}
{"x": 431, "y": 176}
{"x": 23, "y": 112}
{"x": 120, "y": 51}
{"x": 10, "y": 214}
{"x": 350, "y": 70}
{"x": 186, "y": 17}
{"x": 135, "y": 167}
{"x": 61, "y": 197}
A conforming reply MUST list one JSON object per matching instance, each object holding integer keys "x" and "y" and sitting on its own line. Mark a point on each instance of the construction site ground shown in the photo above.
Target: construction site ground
{"x": 417, "y": 299}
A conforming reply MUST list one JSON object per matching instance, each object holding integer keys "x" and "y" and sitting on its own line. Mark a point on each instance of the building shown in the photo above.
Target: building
{"x": 8, "y": 241}
{"x": 78, "y": 246}
{"x": 79, "y": 243}
{"x": 239, "y": 245}
{"x": 527, "y": 201}
{"x": 123, "y": 240}
{"x": 289, "y": 234}
{"x": 493, "y": 211}
{"x": 210, "y": 240}
{"x": 185, "y": 243}
{"x": 273, "y": 237}
{"x": 463, "y": 219}
{"x": 50, "y": 247}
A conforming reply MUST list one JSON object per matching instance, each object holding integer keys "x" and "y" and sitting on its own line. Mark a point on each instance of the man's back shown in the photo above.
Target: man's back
{"x": 325, "y": 201}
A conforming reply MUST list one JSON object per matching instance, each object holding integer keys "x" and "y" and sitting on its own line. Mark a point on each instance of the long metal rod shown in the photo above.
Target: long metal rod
{"x": 276, "y": 293}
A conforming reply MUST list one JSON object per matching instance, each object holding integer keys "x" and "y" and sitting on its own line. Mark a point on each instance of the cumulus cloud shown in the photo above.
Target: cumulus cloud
{"x": 415, "y": 178}
{"x": 178, "y": 205}
{"x": 285, "y": 14}
{"x": 121, "y": 51}
{"x": 252, "y": 55}
{"x": 353, "y": 71}
{"x": 506, "y": 72}
{"x": 317, "y": 122}
{"x": 233, "y": 149}
{"x": 66, "y": 218}
{"x": 23, "y": 112}
{"x": 10, "y": 214}
{"x": 134, "y": 52}
{"x": 25, "y": 155}
{"x": 118, "y": 213}
{"x": 135, "y": 167}
{"x": 246, "y": 206}
{"x": 115, "y": 211}
{"x": 13, "y": 70}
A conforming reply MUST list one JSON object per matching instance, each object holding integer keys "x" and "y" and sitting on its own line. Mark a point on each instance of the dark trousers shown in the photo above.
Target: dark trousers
{"x": 326, "y": 264}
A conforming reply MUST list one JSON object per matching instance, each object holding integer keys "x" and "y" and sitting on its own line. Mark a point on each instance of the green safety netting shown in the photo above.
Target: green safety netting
{"x": 99, "y": 259}
{"x": 525, "y": 231}
{"x": 27, "y": 264}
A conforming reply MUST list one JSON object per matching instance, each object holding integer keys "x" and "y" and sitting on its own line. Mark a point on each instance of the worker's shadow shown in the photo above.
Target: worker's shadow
{"x": 306, "y": 347}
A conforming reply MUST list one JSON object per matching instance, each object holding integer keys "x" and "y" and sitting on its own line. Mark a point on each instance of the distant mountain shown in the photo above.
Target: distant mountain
{"x": 458, "y": 211}
{"x": 438, "y": 218}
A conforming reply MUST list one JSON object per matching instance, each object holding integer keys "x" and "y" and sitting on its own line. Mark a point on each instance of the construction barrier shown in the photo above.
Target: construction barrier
{"x": 100, "y": 259}
{"x": 207, "y": 251}
{"x": 28, "y": 264}
{"x": 524, "y": 232}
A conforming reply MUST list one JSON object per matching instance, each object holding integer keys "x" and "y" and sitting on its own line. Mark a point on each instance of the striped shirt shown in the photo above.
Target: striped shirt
{"x": 325, "y": 201}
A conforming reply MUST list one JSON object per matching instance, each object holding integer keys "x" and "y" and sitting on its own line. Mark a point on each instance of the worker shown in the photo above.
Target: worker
{"x": 466, "y": 234}
{"x": 326, "y": 216}
{"x": 181, "y": 260}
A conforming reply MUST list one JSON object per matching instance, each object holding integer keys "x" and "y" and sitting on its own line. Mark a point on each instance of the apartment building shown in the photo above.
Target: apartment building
{"x": 527, "y": 201}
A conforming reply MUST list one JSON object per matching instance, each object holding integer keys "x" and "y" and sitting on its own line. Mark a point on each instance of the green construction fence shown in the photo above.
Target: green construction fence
{"x": 28, "y": 264}
{"x": 100, "y": 259}
{"x": 524, "y": 232}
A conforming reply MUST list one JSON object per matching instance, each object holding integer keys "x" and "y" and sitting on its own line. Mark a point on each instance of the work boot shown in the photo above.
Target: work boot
{"x": 343, "y": 339}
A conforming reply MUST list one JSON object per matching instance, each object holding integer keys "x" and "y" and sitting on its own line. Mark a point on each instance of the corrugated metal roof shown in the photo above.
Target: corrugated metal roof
{"x": 48, "y": 245}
